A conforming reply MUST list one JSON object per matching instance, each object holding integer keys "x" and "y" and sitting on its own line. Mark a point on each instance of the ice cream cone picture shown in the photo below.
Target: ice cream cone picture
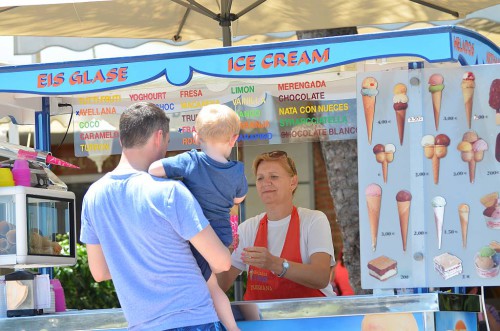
{"x": 438, "y": 204}
{"x": 468, "y": 86}
{"x": 435, "y": 149}
{"x": 403, "y": 199}
{"x": 400, "y": 101}
{"x": 460, "y": 326}
{"x": 369, "y": 93}
{"x": 384, "y": 155}
{"x": 472, "y": 151}
{"x": 373, "y": 194}
{"x": 436, "y": 87}
{"x": 494, "y": 100}
{"x": 463, "y": 215}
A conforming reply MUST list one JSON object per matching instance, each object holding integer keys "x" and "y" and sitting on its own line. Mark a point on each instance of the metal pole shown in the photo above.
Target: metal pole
{"x": 42, "y": 142}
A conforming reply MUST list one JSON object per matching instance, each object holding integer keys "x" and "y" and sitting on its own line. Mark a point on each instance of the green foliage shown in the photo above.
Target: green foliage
{"x": 80, "y": 289}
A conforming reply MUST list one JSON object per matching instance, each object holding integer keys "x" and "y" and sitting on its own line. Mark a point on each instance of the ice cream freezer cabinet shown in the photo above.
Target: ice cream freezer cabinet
{"x": 409, "y": 312}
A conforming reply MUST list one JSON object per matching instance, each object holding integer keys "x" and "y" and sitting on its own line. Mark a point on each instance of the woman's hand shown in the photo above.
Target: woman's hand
{"x": 315, "y": 274}
{"x": 261, "y": 258}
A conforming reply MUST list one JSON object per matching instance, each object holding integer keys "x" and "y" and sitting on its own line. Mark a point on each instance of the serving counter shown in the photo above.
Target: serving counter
{"x": 430, "y": 311}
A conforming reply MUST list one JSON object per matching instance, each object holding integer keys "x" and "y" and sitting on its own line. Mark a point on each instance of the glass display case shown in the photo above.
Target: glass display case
{"x": 35, "y": 225}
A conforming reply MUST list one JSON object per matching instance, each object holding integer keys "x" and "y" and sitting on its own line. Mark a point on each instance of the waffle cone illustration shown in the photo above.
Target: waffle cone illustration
{"x": 373, "y": 195}
{"x": 463, "y": 214}
{"x": 472, "y": 170}
{"x": 373, "y": 204}
{"x": 468, "y": 86}
{"x": 468, "y": 94}
{"x": 404, "y": 216}
{"x": 436, "y": 87}
{"x": 369, "y": 107}
{"x": 436, "y": 106}
{"x": 435, "y": 168}
{"x": 401, "y": 119}
{"x": 369, "y": 92}
{"x": 429, "y": 151}
{"x": 472, "y": 149}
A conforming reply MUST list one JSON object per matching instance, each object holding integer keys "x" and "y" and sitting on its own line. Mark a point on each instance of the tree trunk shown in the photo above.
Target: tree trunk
{"x": 341, "y": 159}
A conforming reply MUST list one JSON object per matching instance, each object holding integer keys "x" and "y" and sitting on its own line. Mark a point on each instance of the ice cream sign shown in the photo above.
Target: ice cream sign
{"x": 429, "y": 173}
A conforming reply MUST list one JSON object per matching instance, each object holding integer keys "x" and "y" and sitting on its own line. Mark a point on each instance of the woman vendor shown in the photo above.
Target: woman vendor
{"x": 287, "y": 251}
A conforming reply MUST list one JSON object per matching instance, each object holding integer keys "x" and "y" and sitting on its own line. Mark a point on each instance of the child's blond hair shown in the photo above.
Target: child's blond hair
{"x": 217, "y": 122}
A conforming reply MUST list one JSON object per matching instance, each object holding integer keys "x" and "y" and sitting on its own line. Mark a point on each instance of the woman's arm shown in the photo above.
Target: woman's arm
{"x": 315, "y": 274}
{"x": 227, "y": 278}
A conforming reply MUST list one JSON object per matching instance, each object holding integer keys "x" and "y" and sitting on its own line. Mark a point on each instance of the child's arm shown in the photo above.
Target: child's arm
{"x": 156, "y": 169}
{"x": 239, "y": 200}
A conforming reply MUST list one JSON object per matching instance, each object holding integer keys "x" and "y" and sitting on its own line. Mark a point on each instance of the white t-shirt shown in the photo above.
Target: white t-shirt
{"x": 315, "y": 237}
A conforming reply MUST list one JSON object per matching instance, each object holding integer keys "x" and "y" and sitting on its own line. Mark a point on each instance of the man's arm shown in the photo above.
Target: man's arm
{"x": 97, "y": 263}
{"x": 212, "y": 249}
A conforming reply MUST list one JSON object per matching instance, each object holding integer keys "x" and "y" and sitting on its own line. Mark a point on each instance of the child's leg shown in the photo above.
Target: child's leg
{"x": 222, "y": 305}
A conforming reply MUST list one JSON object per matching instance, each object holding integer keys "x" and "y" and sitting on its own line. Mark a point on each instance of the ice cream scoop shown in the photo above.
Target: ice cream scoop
{"x": 403, "y": 195}
{"x": 479, "y": 145}
{"x": 400, "y": 88}
{"x": 369, "y": 83}
{"x": 470, "y": 136}
{"x": 442, "y": 139}
{"x": 464, "y": 146}
{"x": 427, "y": 140}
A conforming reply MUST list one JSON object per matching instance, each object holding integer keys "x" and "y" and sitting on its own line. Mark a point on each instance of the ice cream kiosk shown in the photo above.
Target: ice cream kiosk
{"x": 428, "y": 152}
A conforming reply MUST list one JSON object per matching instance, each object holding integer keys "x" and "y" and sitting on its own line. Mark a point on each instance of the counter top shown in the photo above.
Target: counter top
{"x": 113, "y": 319}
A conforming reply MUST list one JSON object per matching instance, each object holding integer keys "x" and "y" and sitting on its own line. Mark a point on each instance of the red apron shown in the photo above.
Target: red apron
{"x": 262, "y": 284}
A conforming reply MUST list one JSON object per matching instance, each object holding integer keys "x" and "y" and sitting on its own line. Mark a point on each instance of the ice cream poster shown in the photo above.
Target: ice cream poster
{"x": 429, "y": 177}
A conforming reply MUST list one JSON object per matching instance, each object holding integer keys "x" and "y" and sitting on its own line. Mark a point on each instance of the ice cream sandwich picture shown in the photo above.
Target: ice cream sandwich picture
{"x": 369, "y": 94}
{"x": 472, "y": 150}
{"x": 447, "y": 265}
{"x": 382, "y": 268}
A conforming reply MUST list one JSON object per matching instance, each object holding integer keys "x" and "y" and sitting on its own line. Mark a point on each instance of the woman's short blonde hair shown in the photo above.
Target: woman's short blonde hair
{"x": 276, "y": 156}
{"x": 217, "y": 123}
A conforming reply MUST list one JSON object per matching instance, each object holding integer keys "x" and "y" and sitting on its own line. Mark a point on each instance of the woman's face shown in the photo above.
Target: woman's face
{"x": 274, "y": 184}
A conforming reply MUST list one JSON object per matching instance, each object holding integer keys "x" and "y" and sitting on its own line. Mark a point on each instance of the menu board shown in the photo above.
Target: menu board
{"x": 429, "y": 177}
{"x": 304, "y": 108}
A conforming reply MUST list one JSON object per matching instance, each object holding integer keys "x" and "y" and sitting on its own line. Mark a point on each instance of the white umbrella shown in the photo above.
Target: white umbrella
{"x": 193, "y": 20}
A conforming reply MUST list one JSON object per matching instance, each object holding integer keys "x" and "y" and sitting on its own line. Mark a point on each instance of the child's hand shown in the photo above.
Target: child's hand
{"x": 235, "y": 243}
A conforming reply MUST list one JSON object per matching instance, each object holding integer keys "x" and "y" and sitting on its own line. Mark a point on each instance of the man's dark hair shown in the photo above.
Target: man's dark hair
{"x": 139, "y": 121}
